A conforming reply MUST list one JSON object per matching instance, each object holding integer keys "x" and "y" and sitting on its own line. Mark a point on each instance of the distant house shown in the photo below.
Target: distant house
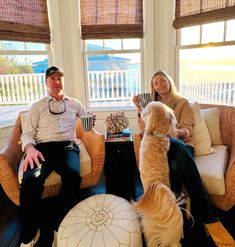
{"x": 99, "y": 62}
{"x": 40, "y": 67}
{"x": 106, "y": 62}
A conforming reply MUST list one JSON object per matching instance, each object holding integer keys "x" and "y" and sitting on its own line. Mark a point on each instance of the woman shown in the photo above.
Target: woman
{"x": 181, "y": 156}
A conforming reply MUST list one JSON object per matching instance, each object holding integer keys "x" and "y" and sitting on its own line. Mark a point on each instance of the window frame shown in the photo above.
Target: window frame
{"x": 26, "y": 52}
{"x": 13, "y": 52}
{"x": 202, "y": 45}
{"x": 194, "y": 46}
{"x": 127, "y": 51}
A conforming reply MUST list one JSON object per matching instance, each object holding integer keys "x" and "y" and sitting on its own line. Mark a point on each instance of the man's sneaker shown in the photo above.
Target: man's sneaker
{"x": 54, "y": 244}
{"x": 33, "y": 242}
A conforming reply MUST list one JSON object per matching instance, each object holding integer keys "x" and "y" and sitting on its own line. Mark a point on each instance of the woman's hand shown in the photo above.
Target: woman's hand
{"x": 179, "y": 133}
{"x": 136, "y": 101}
{"x": 173, "y": 133}
{"x": 141, "y": 123}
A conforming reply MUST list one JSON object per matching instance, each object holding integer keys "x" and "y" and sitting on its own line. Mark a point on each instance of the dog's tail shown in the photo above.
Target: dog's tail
{"x": 154, "y": 197}
{"x": 158, "y": 207}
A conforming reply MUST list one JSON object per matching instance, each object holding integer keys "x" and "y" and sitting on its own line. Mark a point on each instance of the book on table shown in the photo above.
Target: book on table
{"x": 125, "y": 135}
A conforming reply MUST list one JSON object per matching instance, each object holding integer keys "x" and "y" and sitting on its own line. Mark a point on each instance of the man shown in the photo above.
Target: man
{"x": 49, "y": 144}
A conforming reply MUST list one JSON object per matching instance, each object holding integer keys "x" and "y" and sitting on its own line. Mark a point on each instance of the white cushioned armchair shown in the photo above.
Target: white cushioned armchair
{"x": 217, "y": 170}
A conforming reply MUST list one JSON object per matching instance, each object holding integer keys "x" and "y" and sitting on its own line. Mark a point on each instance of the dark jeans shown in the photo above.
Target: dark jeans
{"x": 63, "y": 157}
{"x": 183, "y": 170}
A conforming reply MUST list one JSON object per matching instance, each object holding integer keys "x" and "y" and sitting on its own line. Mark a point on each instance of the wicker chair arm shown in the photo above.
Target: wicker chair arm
{"x": 230, "y": 177}
{"x": 95, "y": 145}
{"x": 9, "y": 180}
{"x": 10, "y": 157}
{"x": 12, "y": 149}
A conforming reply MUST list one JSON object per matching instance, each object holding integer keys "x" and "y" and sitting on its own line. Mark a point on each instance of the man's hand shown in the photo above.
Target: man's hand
{"x": 94, "y": 118}
{"x": 32, "y": 156}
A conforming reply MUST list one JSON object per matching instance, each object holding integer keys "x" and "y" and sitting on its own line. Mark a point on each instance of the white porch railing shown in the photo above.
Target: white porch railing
{"x": 21, "y": 88}
{"x": 112, "y": 86}
{"x": 213, "y": 90}
{"x": 103, "y": 86}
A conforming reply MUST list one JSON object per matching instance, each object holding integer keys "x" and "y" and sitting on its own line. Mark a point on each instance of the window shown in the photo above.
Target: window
{"x": 207, "y": 62}
{"x": 113, "y": 73}
{"x": 24, "y": 53}
{"x": 22, "y": 67}
{"x": 112, "y": 33}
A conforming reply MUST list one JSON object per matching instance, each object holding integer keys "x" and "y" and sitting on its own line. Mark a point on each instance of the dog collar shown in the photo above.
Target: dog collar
{"x": 158, "y": 134}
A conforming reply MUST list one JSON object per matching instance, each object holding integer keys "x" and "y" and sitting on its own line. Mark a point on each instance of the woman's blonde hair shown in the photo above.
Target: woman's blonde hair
{"x": 173, "y": 91}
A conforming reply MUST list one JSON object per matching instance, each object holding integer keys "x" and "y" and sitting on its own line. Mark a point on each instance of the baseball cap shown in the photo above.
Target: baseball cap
{"x": 52, "y": 70}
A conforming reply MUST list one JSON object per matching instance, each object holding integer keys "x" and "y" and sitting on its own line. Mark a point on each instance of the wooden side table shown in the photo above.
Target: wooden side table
{"x": 120, "y": 165}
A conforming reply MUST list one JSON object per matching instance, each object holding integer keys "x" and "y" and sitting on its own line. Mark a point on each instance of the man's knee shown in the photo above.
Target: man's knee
{"x": 32, "y": 181}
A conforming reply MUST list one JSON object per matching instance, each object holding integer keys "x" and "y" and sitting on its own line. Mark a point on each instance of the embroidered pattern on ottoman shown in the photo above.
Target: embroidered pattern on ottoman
{"x": 103, "y": 220}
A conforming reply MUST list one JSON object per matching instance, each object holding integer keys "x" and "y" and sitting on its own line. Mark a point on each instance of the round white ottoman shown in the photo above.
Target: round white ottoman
{"x": 103, "y": 220}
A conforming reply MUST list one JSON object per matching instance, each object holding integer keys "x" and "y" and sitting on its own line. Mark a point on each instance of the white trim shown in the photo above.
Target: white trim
{"x": 23, "y": 52}
{"x": 111, "y": 51}
{"x": 148, "y": 42}
{"x": 67, "y": 46}
{"x": 56, "y": 40}
{"x": 212, "y": 44}
{"x": 85, "y": 73}
{"x": 159, "y": 39}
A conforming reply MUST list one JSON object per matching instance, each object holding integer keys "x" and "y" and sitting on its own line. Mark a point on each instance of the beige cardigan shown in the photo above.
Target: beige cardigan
{"x": 184, "y": 115}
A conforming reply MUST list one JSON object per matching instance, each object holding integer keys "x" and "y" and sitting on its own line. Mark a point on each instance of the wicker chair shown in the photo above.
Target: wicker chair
{"x": 227, "y": 128}
{"x": 11, "y": 155}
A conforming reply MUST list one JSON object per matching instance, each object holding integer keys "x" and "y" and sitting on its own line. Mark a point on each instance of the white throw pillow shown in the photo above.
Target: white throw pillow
{"x": 202, "y": 140}
{"x": 211, "y": 117}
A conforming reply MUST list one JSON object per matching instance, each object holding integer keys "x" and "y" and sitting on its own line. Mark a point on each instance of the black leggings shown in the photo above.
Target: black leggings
{"x": 183, "y": 170}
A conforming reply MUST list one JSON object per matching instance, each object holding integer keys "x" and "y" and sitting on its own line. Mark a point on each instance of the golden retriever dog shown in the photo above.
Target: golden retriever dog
{"x": 153, "y": 162}
{"x": 161, "y": 217}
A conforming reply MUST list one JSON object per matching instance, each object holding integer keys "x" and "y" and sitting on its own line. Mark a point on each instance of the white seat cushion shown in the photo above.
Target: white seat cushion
{"x": 103, "y": 220}
{"x": 212, "y": 168}
{"x": 54, "y": 177}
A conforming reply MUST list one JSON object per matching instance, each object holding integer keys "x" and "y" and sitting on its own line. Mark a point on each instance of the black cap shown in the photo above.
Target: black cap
{"x": 52, "y": 70}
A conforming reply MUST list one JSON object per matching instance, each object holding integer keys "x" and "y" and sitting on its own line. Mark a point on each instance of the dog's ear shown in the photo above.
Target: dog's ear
{"x": 173, "y": 120}
{"x": 173, "y": 123}
{"x": 151, "y": 123}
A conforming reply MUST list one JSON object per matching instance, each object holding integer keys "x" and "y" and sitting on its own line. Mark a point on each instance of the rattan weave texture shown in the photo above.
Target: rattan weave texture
{"x": 11, "y": 155}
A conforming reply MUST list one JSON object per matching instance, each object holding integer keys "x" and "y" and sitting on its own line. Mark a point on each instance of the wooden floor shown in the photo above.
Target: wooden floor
{"x": 10, "y": 225}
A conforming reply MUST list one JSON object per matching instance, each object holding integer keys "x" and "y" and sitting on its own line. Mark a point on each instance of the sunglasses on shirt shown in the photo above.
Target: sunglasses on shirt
{"x": 55, "y": 108}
